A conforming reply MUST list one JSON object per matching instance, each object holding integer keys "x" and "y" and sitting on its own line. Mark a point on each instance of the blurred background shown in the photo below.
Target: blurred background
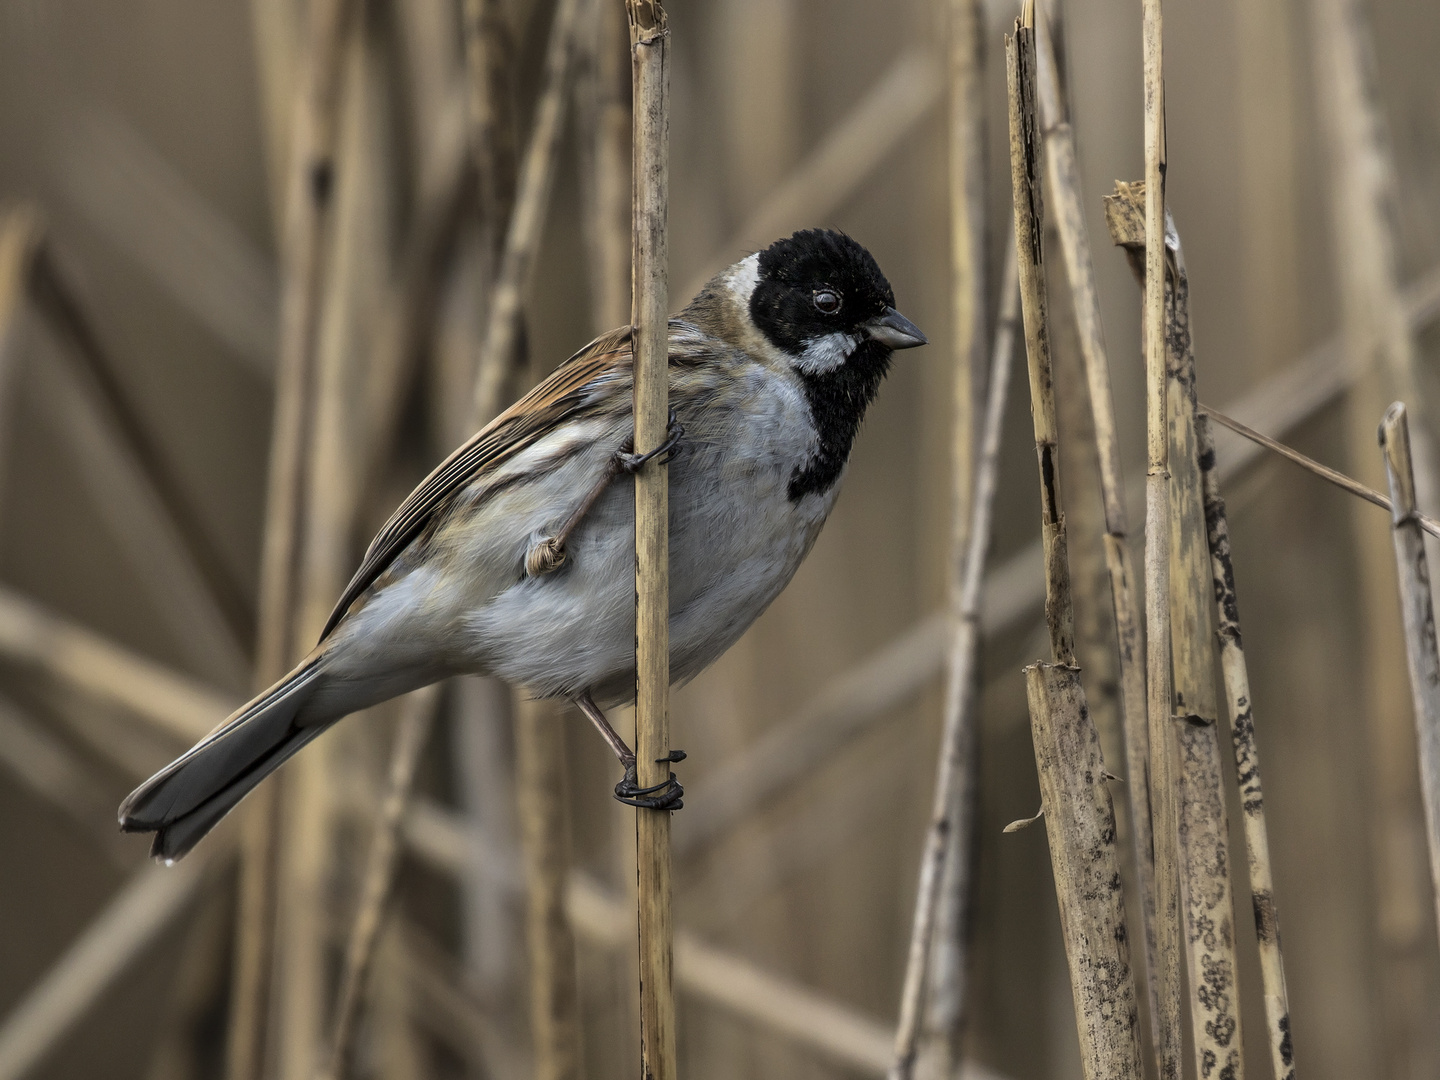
{"x": 143, "y": 172}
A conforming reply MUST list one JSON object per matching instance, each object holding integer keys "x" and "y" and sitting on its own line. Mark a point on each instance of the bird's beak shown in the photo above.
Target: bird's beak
{"x": 896, "y": 331}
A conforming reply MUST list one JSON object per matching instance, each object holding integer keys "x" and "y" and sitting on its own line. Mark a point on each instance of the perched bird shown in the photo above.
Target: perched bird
{"x": 515, "y": 557}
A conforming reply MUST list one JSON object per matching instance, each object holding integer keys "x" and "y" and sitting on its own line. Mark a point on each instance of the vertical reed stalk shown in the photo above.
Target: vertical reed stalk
{"x": 1418, "y": 605}
{"x": 545, "y": 839}
{"x": 1030, "y": 259}
{"x": 1247, "y": 759}
{"x": 1163, "y": 786}
{"x": 1080, "y": 822}
{"x": 1064, "y": 178}
{"x": 954, "y": 791}
{"x": 603, "y": 112}
{"x": 308, "y": 193}
{"x": 1205, "y": 888}
{"x": 650, "y": 57}
{"x": 942, "y": 1027}
{"x": 412, "y": 730}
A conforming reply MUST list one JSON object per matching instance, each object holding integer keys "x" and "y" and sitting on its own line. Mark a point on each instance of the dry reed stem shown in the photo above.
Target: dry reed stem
{"x": 1334, "y": 476}
{"x": 1247, "y": 760}
{"x": 1418, "y": 605}
{"x": 22, "y": 231}
{"x": 650, "y": 59}
{"x": 489, "y": 60}
{"x": 308, "y": 190}
{"x": 1159, "y": 689}
{"x": 500, "y": 352}
{"x": 955, "y": 768}
{"x": 1030, "y": 260}
{"x": 1080, "y": 824}
{"x": 942, "y": 1026}
{"x": 1205, "y": 889}
{"x": 134, "y": 917}
{"x": 541, "y": 785}
{"x": 1064, "y": 179}
{"x": 417, "y": 717}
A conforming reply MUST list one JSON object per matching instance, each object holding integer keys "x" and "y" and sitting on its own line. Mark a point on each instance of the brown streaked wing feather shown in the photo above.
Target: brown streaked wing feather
{"x": 538, "y": 412}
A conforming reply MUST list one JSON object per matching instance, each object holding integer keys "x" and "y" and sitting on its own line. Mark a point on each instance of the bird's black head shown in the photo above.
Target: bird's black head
{"x": 820, "y": 298}
{"x": 820, "y": 295}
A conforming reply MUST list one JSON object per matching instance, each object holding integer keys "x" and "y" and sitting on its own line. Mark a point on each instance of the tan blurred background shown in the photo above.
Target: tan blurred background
{"x": 148, "y": 135}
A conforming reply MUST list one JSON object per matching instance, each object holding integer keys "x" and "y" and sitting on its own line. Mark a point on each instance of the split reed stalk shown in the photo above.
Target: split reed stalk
{"x": 1247, "y": 760}
{"x": 417, "y": 717}
{"x": 1063, "y": 174}
{"x": 545, "y": 841}
{"x": 942, "y": 1027}
{"x": 502, "y": 348}
{"x": 1029, "y": 251}
{"x": 1080, "y": 823}
{"x": 650, "y": 59}
{"x": 1205, "y": 889}
{"x": 1067, "y": 750}
{"x": 1159, "y": 692}
{"x": 1418, "y": 605}
{"x": 955, "y": 768}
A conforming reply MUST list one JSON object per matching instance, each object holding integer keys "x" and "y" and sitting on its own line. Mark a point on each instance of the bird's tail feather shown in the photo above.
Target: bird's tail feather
{"x": 187, "y": 798}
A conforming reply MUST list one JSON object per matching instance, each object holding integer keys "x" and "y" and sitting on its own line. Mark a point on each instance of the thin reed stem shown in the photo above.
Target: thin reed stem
{"x": 1239, "y": 704}
{"x": 955, "y": 775}
{"x": 650, "y": 59}
{"x": 1418, "y": 605}
{"x": 417, "y": 717}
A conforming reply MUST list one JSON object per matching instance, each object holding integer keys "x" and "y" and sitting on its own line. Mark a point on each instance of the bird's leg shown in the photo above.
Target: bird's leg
{"x": 666, "y": 795}
{"x": 548, "y": 554}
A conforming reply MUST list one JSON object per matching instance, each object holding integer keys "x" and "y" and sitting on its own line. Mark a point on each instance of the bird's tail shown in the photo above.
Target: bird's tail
{"x": 187, "y": 798}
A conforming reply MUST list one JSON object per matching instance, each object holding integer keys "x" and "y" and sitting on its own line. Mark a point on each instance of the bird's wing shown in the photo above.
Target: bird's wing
{"x": 538, "y": 412}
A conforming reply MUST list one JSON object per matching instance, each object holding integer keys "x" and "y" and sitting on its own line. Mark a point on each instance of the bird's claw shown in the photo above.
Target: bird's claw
{"x": 666, "y": 795}
{"x": 629, "y": 462}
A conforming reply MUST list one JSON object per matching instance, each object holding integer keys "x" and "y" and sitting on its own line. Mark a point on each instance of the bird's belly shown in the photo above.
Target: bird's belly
{"x": 735, "y": 541}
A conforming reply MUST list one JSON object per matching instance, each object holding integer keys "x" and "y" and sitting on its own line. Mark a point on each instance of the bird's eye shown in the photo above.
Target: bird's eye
{"x": 827, "y": 301}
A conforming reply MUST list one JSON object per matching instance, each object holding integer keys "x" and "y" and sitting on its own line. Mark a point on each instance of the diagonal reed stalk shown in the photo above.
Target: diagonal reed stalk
{"x": 1418, "y": 605}
{"x": 650, "y": 59}
{"x": 1239, "y": 705}
{"x": 1064, "y": 179}
{"x": 955, "y": 766}
{"x": 1080, "y": 821}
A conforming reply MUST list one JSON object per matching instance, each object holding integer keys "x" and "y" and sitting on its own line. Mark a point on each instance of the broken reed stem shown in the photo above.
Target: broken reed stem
{"x": 1247, "y": 758}
{"x": 545, "y": 842}
{"x": 417, "y": 717}
{"x": 1418, "y": 605}
{"x": 1064, "y": 178}
{"x": 1080, "y": 825}
{"x": 650, "y": 60}
{"x": 954, "y": 778}
{"x": 501, "y": 350}
{"x": 1030, "y": 259}
{"x": 308, "y": 201}
{"x": 1163, "y": 811}
{"x": 1334, "y": 476}
{"x": 1205, "y": 889}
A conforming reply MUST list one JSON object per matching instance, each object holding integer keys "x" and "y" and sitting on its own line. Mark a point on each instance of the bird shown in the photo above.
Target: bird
{"x": 515, "y": 557}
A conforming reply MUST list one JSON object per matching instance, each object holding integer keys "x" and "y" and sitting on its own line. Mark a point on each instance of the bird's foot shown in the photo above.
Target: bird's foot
{"x": 629, "y": 462}
{"x": 666, "y": 795}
